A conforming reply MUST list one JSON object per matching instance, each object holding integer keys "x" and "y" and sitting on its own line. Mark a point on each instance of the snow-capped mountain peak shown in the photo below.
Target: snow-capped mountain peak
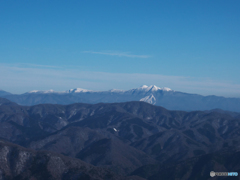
{"x": 166, "y": 89}
{"x": 78, "y": 90}
{"x": 43, "y": 92}
{"x": 144, "y": 87}
{"x": 116, "y": 90}
{"x": 152, "y": 88}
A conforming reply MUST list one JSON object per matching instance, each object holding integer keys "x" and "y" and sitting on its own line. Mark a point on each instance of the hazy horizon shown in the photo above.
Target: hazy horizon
{"x": 101, "y": 90}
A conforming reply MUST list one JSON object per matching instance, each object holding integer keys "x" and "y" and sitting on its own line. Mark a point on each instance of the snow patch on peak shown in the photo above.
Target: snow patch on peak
{"x": 166, "y": 89}
{"x": 50, "y": 91}
{"x": 116, "y": 90}
{"x": 44, "y": 92}
{"x": 144, "y": 86}
{"x": 34, "y": 91}
{"x": 152, "y": 88}
{"x": 149, "y": 99}
{"x": 78, "y": 90}
{"x": 148, "y": 88}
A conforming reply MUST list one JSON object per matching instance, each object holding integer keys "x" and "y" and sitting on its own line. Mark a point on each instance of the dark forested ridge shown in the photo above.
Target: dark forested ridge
{"x": 130, "y": 138}
{"x": 20, "y": 163}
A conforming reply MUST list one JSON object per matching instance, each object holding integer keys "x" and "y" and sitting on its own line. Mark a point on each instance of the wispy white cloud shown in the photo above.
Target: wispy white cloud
{"x": 19, "y": 79}
{"x": 37, "y": 65}
{"x": 120, "y": 54}
{"x": 28, "y": 65}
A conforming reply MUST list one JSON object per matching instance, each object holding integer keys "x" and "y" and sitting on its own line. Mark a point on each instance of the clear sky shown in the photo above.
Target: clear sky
{"x": 189, "y": 45}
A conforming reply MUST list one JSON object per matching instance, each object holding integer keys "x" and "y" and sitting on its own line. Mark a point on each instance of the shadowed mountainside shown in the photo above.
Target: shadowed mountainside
{"x": 199, "y": 167}
{"x": 120, "y": 136}
{"x": 20, "y": 163}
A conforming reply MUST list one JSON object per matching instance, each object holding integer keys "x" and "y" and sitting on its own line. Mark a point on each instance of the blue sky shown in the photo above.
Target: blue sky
{"x": 190, "y": 46}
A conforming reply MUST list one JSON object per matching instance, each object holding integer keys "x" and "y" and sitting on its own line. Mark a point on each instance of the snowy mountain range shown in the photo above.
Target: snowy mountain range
{"x": 165, "y": 97}
{"x": 143, "y": 88}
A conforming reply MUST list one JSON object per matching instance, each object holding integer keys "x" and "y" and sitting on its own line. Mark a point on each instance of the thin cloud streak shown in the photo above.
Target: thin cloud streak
{"x": 18, "y": 79}
{"x": 120, "y": 54}
{"x": 29, "y": 65}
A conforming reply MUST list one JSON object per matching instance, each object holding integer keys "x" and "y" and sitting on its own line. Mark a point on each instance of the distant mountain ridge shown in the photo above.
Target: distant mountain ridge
{"x": 143, "y": 88}
{"x": 4, "y": 93}
{"x": 165, "y": 97}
